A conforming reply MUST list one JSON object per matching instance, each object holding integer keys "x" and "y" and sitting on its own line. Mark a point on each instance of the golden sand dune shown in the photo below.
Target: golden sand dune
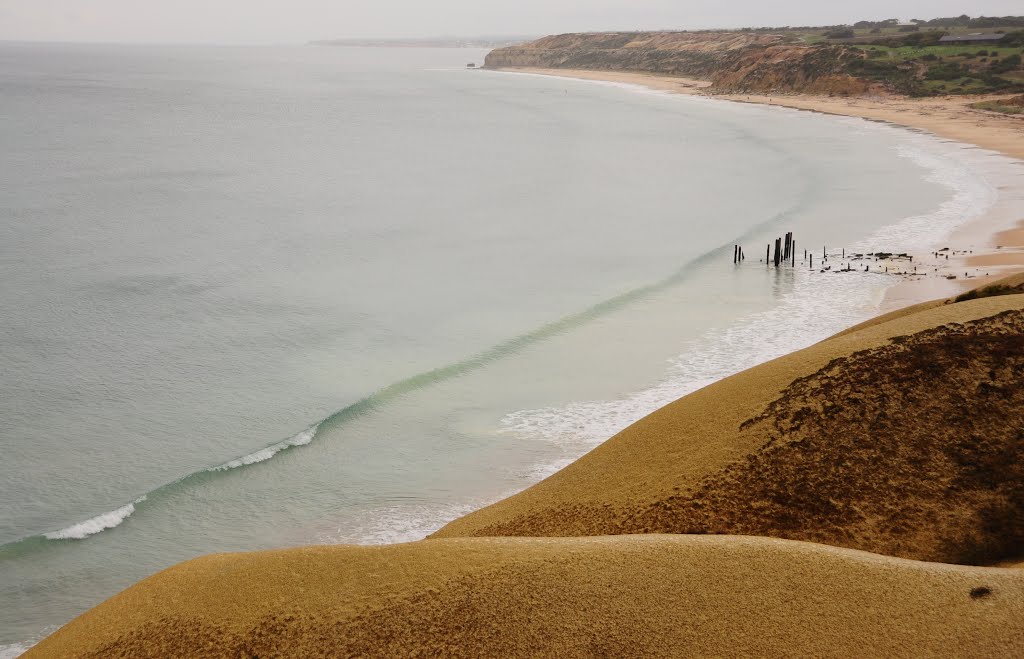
{"x": 902, "y": 437}
{"x": 655, "y": 595}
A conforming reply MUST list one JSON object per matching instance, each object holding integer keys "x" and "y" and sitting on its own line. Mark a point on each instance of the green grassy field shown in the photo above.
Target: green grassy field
{"x": 916, "y": 52}
{"x": 909, "y": 59}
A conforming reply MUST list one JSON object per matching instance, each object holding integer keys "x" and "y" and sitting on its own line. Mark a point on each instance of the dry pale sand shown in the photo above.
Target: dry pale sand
{"x": 1008, "y": 258}
{"x": 735, "y": 444}
{"x": 1011, "y": 237}
{"x": 656, "y": 595}
{"x": 1009, "y": 249}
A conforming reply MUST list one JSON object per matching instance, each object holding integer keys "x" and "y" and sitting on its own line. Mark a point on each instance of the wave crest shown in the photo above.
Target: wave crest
{"x": 94, "y": 525}
{"x": 301, "y": 439}
{"x": 111, "y": 519}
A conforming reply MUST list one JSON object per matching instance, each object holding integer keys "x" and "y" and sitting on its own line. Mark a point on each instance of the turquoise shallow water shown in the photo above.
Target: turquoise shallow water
{"x": 264, "y": 297}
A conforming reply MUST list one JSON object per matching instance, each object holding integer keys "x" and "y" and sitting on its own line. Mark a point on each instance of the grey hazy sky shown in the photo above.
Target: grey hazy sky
{"x": 291, "y": 21}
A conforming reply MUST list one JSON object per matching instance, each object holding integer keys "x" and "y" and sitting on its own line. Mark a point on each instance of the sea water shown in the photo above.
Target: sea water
{"x": 263, "y": 297}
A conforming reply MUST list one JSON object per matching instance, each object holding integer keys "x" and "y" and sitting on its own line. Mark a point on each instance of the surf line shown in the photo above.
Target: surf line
{"x": 393, "y": 392}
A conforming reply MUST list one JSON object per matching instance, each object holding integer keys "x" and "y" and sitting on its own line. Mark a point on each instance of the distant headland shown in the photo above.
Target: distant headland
{"x": 938, "y": 57}
{"x": 438, "y": 42}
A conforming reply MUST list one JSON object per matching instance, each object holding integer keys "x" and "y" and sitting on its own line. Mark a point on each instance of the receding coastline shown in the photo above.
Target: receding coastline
{"x": 876, "y": 71}
{"x": 656, "y": 593}
{"x": 996, "y": 234}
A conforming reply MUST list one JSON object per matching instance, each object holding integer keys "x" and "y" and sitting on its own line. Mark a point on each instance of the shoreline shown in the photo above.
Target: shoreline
{"x": 993, "y": 242}
{"x": 818, "y": 568}
{"x": 492, "y": 583}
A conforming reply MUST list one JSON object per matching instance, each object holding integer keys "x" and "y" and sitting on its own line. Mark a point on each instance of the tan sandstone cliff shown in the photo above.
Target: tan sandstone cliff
{"x": 732, "y": 61}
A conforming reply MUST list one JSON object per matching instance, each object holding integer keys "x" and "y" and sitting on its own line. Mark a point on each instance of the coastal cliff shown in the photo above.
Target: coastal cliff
{"x": 732, "y": 61}
{"x": 809, "y": 60}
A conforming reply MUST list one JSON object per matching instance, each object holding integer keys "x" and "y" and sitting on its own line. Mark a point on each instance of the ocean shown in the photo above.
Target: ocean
{"x": 266, "y": 297}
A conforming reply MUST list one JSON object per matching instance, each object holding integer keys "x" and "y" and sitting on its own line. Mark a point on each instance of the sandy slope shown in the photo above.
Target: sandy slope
{"x": 619, "y": 596}
{"x": 909, "y": 447}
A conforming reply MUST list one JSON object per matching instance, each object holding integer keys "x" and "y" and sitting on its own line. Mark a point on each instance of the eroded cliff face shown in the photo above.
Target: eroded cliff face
{"x": 732, "y": 61}
{"x": 820, "y": 70}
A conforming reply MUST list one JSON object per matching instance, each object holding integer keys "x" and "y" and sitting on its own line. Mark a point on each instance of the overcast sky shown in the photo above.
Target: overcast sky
{"x": 297, "y": 21}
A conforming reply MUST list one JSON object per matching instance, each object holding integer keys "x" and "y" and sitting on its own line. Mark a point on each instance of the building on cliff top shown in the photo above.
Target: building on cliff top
{"x": 972, "y": 38}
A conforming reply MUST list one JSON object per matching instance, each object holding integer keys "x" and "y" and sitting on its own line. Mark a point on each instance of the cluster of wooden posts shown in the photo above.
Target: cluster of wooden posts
{"x": 785, "y": 252}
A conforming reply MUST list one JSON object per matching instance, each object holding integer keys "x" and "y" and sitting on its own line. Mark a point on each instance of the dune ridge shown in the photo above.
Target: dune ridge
{"x": 657, "y": 595}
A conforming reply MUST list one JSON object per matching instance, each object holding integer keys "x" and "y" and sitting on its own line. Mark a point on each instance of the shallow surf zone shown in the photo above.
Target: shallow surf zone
{"x": 820, "y": 304}
{"x": 816, "y": 308}
{"x": 114, "y": 518}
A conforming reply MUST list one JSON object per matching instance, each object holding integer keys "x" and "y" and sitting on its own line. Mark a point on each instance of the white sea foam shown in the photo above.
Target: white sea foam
{"x": 301, "y": 439}
{"x": 398, "y": 523}
{"x": 113, "y": 518}
{"x": 972, "y": 198}
{"x": 817, "y": 308}
{"x": 14, "y": 650}
{"x": 810, "y": 315}
{"x": 95, "y": 524}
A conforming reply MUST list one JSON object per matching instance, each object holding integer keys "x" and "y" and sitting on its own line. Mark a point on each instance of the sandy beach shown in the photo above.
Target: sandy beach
{"x": 995, "y": 238}
{"x": 859, "y": 497}
{"x": 948, "y": 116}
